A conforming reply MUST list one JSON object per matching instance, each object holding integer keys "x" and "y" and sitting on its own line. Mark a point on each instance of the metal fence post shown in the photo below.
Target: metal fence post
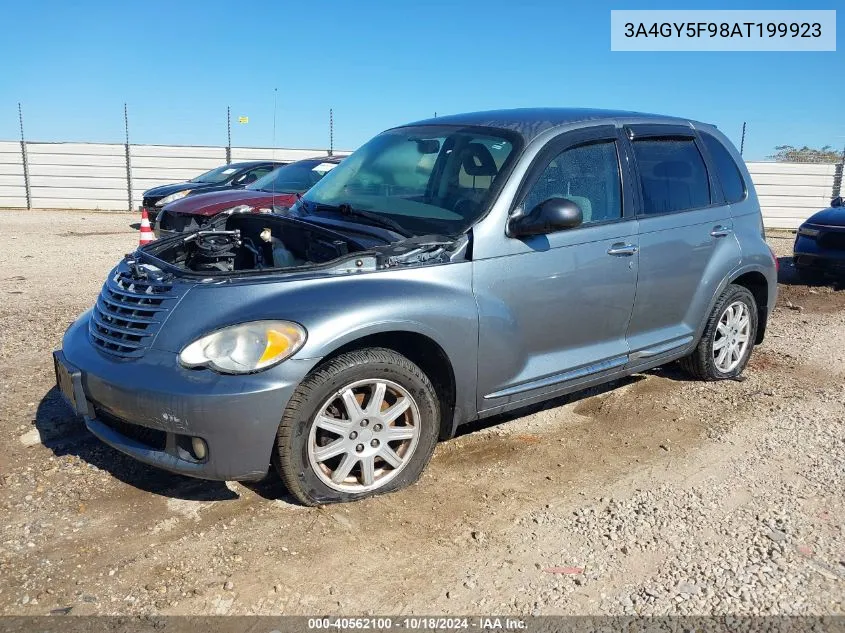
{"x": 25, "y": 161}
{"x": 228, "y": 135}
{"x": 128, "y": 159}
{"x": 837, "y": 181}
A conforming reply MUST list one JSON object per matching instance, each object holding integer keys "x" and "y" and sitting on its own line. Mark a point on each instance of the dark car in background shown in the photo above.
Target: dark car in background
{"x": 275, "y": 191}
{"x": 820, "y": 244}
{"x": 231, "y": 176}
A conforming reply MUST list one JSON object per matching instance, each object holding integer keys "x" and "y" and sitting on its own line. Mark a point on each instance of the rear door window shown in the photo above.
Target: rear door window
{"x": 673, "y": 175}
{"x": 729, "y": 175}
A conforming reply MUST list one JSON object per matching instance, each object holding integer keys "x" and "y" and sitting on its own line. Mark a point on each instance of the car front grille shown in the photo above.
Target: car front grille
{"x": 128, "y": 313}
{"x": 832, "y": 240}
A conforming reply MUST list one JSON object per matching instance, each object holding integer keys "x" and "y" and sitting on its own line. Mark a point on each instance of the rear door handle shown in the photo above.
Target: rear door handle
{"x": 622, "y": 250}
{"x": 720, "y": 231}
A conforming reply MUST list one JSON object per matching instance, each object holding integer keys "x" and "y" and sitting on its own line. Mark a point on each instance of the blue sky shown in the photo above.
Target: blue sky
{"x": 378, "y": 64}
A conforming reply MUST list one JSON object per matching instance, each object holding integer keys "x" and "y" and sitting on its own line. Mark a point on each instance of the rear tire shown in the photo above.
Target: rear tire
{"x": 728, "y": 337}
{"x": 362, "y": 424}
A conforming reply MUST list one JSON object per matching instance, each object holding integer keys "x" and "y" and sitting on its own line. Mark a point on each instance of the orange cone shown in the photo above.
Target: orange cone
{"x": 146, "y": 232}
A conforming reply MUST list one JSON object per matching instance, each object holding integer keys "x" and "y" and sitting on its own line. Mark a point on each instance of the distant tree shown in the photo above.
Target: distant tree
{"x": 790, "y": 154}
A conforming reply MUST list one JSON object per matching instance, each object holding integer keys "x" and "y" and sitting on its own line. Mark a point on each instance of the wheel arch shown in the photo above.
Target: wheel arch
{"x": 423, "y": 351}
{"x": 757, "y": 284}
{"x": 753, "y": 278}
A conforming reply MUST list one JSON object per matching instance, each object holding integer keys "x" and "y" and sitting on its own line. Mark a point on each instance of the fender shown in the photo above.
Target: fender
{"x": 432, "y": 301}
{"x": 735, "y": 273}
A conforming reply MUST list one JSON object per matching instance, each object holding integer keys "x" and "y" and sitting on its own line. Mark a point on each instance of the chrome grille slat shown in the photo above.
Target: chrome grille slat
{"x": 134, "y": 295}
{"x": 105, "y": 307}
{"x": 110, "y": 343}
{"x": 128, "y": 314}
{"x": 117, "y": 350}
{"x": 130, "y": 306}
{"x": 140, "y": 332}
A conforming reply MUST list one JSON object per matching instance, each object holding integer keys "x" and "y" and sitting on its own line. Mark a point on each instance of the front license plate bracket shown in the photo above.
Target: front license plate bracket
{"x": 69, "y": 382}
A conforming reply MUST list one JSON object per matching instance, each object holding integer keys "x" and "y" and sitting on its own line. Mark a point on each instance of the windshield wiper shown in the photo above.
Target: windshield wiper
{"x": 373, "y": 218}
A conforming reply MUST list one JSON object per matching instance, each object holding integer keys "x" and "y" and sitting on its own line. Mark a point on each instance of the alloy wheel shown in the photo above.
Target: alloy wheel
{"x": 732, "y": 337}
{"x": 363, "y": 435}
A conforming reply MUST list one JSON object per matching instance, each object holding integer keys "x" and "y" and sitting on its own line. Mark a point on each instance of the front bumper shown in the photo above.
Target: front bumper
{"x": 149, "y": 408}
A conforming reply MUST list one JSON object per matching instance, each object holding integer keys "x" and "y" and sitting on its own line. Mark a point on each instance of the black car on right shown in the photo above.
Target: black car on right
{"x": 820, "y": 243}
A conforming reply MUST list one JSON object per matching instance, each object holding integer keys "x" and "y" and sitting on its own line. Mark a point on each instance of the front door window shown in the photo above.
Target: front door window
{"x": 588, "y": 175}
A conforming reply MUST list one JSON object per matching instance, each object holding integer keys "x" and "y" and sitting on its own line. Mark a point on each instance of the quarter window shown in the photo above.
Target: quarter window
{"x": 588, "y": 175}
{"x": 729, "y": 174}
{"x": 672, "y": 174}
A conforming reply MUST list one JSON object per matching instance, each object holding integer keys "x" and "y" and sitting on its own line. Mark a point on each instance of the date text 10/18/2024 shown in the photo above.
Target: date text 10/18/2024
{"x": 417, "y": 623}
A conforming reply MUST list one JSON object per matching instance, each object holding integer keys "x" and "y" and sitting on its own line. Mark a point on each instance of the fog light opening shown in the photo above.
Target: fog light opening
{"x": 199, "y": 448}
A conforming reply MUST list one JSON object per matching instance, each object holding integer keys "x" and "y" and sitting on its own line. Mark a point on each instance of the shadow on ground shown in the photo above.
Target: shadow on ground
{"x": 502, "y": 418}
{"x": 789, "y": 275}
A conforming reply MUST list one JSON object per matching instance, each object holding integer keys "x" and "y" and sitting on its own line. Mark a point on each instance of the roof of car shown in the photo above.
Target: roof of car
{"x": 254, "y": 163}
{"x": 334, "y": 158}
{"x": 531, "y": 122}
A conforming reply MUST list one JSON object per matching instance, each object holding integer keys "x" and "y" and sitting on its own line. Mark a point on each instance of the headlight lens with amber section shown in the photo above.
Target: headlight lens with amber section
{"x": 245, "y": 348}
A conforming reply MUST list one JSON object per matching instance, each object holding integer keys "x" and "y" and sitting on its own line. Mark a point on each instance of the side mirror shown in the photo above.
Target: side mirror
{"x": 836, "y": 202}
{"x": 554, "y": 214}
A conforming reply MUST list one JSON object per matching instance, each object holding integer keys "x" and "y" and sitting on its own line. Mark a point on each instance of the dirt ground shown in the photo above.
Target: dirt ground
{"x": 653, "y": 495}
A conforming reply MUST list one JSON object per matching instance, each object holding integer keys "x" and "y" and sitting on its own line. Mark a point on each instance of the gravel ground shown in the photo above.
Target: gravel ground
{"x": 653, "y": 495}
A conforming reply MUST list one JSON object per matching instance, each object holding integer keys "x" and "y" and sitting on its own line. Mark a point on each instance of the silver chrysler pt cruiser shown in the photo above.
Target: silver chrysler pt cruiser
{"x": 448, "y": 270}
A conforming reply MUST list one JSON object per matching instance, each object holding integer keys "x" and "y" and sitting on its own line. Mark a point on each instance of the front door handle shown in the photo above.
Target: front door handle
{"x": 720, "y": 231}
{"x": 622, "y": 250}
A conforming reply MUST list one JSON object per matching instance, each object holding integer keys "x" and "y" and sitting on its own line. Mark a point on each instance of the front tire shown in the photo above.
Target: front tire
{"x": 728, "y": 338}
{"x": 362, "y": 424}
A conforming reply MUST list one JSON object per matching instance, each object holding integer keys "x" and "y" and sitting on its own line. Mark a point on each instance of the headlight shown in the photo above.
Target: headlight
{"x": 172, "y": 197}
{"x": 241, "y": 208}
{"x": 808, "y": 231}
{"x": 245, "y": 348}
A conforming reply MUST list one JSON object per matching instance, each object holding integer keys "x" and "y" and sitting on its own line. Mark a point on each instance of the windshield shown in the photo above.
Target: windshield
{"x": 216, "y": 176}
{"x": 427, "y": 179}
{"x": 297, "y": 177}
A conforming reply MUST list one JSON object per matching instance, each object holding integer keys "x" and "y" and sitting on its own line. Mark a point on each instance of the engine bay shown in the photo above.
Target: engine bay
{"x": 247, "y": 243}
{"x": 254, "y": 242}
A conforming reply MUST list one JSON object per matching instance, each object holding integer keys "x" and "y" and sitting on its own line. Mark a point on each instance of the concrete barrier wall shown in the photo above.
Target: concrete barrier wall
{"x": 12, "y": 191}
{"x": 77, "y": 176}
{"x": 93, "y": 176}
{"x": 789, "y": 193}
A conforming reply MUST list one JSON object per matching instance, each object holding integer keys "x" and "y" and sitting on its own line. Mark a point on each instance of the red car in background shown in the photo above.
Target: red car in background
{"x": 275, "y": 191}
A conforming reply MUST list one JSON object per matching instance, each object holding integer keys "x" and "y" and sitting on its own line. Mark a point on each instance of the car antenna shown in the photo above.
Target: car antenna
{"x": 273, "y": 184}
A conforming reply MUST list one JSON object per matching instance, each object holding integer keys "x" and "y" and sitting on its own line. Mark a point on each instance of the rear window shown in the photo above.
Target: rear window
{"x": 673, "y": 175}
{"x": 729, "y": 174}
